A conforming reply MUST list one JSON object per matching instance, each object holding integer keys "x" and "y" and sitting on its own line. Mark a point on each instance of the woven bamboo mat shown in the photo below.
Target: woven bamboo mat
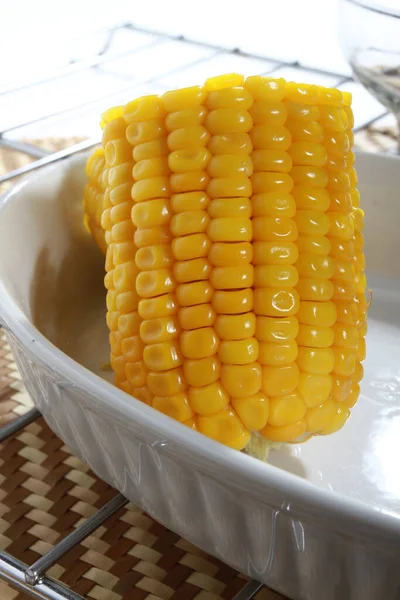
{"x": 45, "y": 492}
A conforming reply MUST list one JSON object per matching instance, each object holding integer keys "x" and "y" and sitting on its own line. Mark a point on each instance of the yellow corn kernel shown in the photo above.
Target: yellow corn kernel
{"x": 358, "y": 373}
{"x": 276, "y": 303}
{"x": 271, "y": 182}
{"x": 315, "y": 337}
{"x": 227, "y": 229}
{"x": 114, "y": 130}
{"x": 154, "y": 283}
{"x": 286, "y": 433}
{"x": 316, "y": 360}
{"x": 315, "y": 177}
{"x": 167, "y": 383}
{"x": 143, "y": 109}
{"x": 122, "y": 232}
{"x": 277, "y": 161}
{"x": 333, "y": 97}
{"x": 188, "y": 138}
{"x": 190, "y": 181}
{"x": 143, "y": 395}
{"x": 252, "y": 410}
{"x": 123, "y": 252}
{"x": 127, "y": 302}
{"x": 230, "y": 207}
{"x": 333, "y": 118}
{"x": 199, "y": 343}
{"x": 226, "y": 278}
{"x": 191, "y": 246}
{"x": 285, "y": 410}
{"x": 268, "y": 112}
{"x": 277, "y": 354}
{"x": 314, "y": 244}
{"x": 163, "y": 356}
{"x": 209, "y": 399}
{"x": 121, "y": 212}
{"x": 186, "y": 223}
{"x": 150, "y": 167}
{"x": 229, "y": 97}
{"x": 228, "y": 165}
{"x": 346, "y": 336}
{"x": 119, "y": 174}
{"x": 145, "y": 131}
{"x": 153, "y": 257}
{"x": 230, "y": 143}
{"x": 152, "y": 213}
{"x": 315, "y": 266}
{"x": 187, "y": 271}
{"x": 221, "y": 82}
{"x": 147, "y": 189}
{"x": 314, "y": 389}
{"x": 183, "y": 98}
{"x": 136, "y": 374}
{"x": 226, "y": 254}
{"x": 345, "y": 361}
{"x": 311, "y": 198}
{"x": 361, "y": 350}
{"x": 191, "y": 294}
{"x": 238, "y": 352}
{"x": 278, "y": 381}
{"x": 227, "y": 187}
{"x": 322, "y": 314}
{"x": 124, "y": 276}
{"x": 272, "y": 329}
{"x": 184, "y": 160}
{"x": 152, "y": 149}
{"x": 275, "y": 276}
{"x": 117, "y": 152}
{"x": 194, "y": 317}
{"x": 235, "y": 327}
{"x": 319, "y": 417}
{"x": 341, "y": 416}
{"x": 265, "y": 88}
{"x": 241, "y": 381}
{"x": 129, "y": 323}
{"x": 305, "y": 131}
{"x": 202, "y": 371}
{"x": 274, "y": 253}
{"x": 228, "y": 120}
{"x": 312, "y": 223}
{"x": 319, "y": 290}
{"x": 308, "y": 153}
{"x": 154, "y": 308}
{"x": 303, "y": 92}
{"x": 337, "y": 142}
{"x": 151, "y": 237}
{"x": 189, "y": 201}
{"x": 159, "y": 330}
{"x": 225, "y": 427}
{"x": 270, "y": 137}
{"x": 299, "y": 111}
{"x": 186, "y": 117}
{"x": 271, "y": 229}
{"x": 353, "y": 396}
{"x": 232, "y": 302}
{"x": 132, "y": 348}
{"x": 176, "y": 406}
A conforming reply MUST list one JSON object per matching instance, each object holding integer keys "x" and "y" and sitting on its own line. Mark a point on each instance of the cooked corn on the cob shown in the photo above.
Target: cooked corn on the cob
{"x": 234, "y": 270}
{"x": 93, "y": 197}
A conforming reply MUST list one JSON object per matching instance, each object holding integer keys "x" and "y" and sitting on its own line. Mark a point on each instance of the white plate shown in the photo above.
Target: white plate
{"x": 325, "y": 524}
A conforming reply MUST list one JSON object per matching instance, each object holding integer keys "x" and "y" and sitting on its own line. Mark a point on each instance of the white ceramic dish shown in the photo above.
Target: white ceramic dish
{"x": 322, "y": 521}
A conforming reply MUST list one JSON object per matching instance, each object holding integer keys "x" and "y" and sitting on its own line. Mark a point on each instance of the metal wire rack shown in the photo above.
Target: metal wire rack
{"x": 168, "y": 61}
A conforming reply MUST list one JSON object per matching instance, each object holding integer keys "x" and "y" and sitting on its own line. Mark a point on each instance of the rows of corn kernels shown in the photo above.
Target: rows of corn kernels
{"x": 235, "y": 272}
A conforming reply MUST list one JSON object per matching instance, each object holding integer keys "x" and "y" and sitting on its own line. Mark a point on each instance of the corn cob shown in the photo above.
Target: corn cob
{"x": 93, "y": 197}
{"x": 235, "y": 268}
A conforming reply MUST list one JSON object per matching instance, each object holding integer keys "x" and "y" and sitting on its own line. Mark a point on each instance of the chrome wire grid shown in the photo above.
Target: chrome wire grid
{"x": 131, "y": 61}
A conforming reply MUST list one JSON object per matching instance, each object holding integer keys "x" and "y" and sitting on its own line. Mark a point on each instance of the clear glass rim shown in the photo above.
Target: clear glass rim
{"x": 374, "y": 7}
